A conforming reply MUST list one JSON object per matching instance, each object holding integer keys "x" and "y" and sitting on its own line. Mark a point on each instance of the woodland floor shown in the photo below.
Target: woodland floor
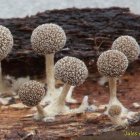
{"x": 16, "y": 124}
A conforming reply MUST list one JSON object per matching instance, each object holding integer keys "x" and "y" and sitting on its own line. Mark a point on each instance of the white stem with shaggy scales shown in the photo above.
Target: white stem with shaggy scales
{"x": 50, "y": 80}
{"x": 112, "y": 88}
{"x": 63, "y": 95}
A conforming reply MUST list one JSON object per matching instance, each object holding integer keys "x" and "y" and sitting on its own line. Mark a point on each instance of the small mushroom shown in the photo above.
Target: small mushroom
{"x": 113, "y": 64}
{"x": 72, "y": 72}
{"x": 128, "y": 45}
{"x": 116, "y": 116}
{"x": 6, "y": 44}
{"x": 46, "y": 40}
{"x": 31, "y": 93}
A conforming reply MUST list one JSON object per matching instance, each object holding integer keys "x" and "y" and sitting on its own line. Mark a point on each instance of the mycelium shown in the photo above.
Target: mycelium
{"x": 128, "y": 45}
{"x": 46, "y": 40}
{"x": 6, "y": 44}
{"x": 113, "y": 64}
{"x": 31, "y": 93}
{"x": 73, "y": 72}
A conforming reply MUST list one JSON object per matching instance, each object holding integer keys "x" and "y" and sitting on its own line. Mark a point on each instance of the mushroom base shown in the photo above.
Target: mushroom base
{"x": 49, "y": 98}
{"x": 122, "y": 119}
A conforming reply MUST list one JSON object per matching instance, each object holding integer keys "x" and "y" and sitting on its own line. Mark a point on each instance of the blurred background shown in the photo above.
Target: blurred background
{"x": 22, "y": 8}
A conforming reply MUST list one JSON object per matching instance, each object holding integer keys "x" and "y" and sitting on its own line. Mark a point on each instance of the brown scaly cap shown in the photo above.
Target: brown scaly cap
{"x": 71, "y": 70}
{"x": 128, "y": 45}
{"x": 31, "y": 93}
{"x": 112, "y": 63}
{"x": 48, "y": 38}
{"x": 114, "y": 110}
{"x": 6, "y": 42}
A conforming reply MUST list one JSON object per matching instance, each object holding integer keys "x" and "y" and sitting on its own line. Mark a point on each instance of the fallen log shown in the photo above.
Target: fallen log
{"x": 89, "y": 32}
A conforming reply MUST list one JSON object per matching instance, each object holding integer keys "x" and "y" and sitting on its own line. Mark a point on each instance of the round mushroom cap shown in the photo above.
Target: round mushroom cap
{"x": 31, "y": 93}
{"x": 112, "y": 63}
{"x": 114, "y": 110}
{"x": 6, "y": 42}
{"x": 48, "y": 38}
{"x": 128, "y": 45}
{"x": 71, "y": 70}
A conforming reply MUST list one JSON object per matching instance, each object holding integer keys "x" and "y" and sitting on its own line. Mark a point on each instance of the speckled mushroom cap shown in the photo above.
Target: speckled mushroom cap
{"x": 71, "y": 70}
{"x": 6, "y": 42}
{"x": 128, "y": 45}
{"x": 112, "y": 63}
{"x": 114, "y": 110}
{"x": 31, "y": 93}
{"x": 48, "y": 38}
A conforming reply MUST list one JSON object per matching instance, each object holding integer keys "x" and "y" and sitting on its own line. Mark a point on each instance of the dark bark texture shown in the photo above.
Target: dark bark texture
{"x": 89, "y": 32}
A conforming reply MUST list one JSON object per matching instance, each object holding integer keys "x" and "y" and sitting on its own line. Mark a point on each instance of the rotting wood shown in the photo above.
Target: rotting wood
{"x": 89, "y": 32}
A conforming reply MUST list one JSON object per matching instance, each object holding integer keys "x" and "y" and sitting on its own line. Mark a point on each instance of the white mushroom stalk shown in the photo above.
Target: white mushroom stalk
{"x": 62, "y": 97}
{"x": 46, "y": 40}
{"x": 6, "y": 44}
{"x": 50, "y": 80}
{"x": 72, "y": 72}
{"x": 31, "y": 93}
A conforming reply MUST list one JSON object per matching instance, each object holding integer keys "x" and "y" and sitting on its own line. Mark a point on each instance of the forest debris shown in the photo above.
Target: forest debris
{"x": 7, "y": 101}
{"x": 18, "y": 106}
{"x": 136, "y": 105}
{"x": 102, "y": 107}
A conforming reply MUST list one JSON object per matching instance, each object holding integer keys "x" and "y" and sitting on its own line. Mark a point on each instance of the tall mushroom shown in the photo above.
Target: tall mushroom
{"x": 6, "y": 44}
{"x": 46, "y": 40}
{"x": 112, "y": 64}
{"x": 31, "y": 93}
{"x": 128, "y": 45}
{"x": 73, "y": 72}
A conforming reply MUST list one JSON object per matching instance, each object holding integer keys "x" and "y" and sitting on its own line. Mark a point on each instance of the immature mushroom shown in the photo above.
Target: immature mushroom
{"x": 128, "y": 45}
{"x": 112, "y": 64}
{"x": 31, "y": 93}
{"x": 46, "y": 40}
{"x": 72, "y": 72}
{"x": 116, "y": 115}
{"x": 6, "y": 44}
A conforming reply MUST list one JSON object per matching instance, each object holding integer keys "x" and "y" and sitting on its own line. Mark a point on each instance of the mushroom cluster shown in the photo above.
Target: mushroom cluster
{"x": 6, "y": 44}
{"x": 73, "y": 72}
{"x": 46, "y": 40}
{"x": 113, "y": 64}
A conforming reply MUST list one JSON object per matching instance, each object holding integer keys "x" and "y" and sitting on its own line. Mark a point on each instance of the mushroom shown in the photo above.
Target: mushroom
{"x": 116, "y": 116}
{"x": 128, "y": 45}
{"x": 73, "y": 72}
{"x": 6, "y": 44}
{"x": 31, "y": 93}
{"x": 46, "y": 40}
{"x": 112, "y": 64}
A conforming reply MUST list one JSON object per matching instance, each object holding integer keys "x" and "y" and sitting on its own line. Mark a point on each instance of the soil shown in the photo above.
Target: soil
{"x": 16, "y": 124}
